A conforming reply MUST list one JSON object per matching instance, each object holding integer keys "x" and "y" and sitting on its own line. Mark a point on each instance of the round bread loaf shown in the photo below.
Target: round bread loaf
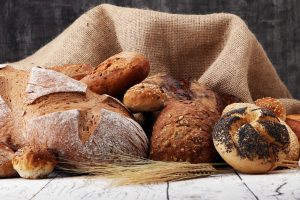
{"x": 182, "y": 132}
{"x": 66, "y": 117}
{"x": 252, "y": 139}
{"x": 33, "y": 162}
{"x": 6, "y": 156}
{"x": 144, "y": 97}
{"x": 118, "y": 73}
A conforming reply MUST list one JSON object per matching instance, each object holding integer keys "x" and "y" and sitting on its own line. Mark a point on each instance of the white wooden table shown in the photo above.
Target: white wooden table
{"x": 283, "y": 184}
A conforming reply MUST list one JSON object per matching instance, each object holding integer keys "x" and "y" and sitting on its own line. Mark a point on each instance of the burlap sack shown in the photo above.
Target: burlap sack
{"x": 217, "y": 49}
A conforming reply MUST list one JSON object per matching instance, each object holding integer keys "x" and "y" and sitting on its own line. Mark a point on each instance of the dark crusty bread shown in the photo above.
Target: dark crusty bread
{"x": 34, "y": 162}
{"x": 6, "y": 156}
{"x": 182, "y": 132}
{"x": 75, "y": 125}
{"x": 252, "y": 139}
{"x": 118, "y": 73}
{"x": 76, "y": 72}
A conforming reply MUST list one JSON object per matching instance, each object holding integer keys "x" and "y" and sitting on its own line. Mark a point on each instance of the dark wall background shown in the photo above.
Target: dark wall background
{"x": 26, "y": 25}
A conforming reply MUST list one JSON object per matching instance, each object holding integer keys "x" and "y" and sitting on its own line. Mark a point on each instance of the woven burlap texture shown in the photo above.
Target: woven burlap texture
{"x": 217, "y": 49}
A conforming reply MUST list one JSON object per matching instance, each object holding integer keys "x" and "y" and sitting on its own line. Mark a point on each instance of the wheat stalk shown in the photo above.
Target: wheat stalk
{"x": 127, "y": 170}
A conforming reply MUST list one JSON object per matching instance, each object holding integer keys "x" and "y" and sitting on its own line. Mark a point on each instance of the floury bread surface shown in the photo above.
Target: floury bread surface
{"x": 68, "y": 118}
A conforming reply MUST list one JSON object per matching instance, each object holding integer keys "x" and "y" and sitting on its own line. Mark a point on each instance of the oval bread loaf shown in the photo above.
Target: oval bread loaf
{"x": 118, "y": 73}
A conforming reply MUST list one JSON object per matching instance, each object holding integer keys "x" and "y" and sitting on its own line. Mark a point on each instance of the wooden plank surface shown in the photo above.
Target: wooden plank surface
{"x": 283, "y": 184}
{"x": 222, "y": 186}
{"x": 96, "y": 188}
{"x": 17, "y": 188}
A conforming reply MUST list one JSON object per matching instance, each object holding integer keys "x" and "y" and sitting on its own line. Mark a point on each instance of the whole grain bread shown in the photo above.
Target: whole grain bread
{"x": 182, "y": 132}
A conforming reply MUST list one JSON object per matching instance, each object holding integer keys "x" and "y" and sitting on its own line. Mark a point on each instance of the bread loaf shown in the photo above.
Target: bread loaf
{"x": 69, "y": 119}
{"x": 118, "y": 73}
{"x": 252, "y": 139}
{"x": 182, "y": 132}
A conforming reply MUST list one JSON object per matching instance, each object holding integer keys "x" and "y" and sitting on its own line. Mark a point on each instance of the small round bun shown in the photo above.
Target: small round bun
{"x": 6, "y": 156}
{"x": 33, "y": 162}
{"x": 272, "y": 104}
{"x": 145, "y": 97}
{"x": 118, "y": 73}
{"x": 252, "y": 139}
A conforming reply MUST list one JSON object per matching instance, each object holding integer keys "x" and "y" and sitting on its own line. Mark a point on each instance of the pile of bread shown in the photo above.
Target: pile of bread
{"x": 74, "y": 113}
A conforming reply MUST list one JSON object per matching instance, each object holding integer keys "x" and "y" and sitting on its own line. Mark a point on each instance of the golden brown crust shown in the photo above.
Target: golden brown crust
{"x": 34, "y": 162}
{"x": 6, "y": 156}
{"x": 118, "y": 73}
{"x": 274, "y": 105}
{"x": 144, "y": 97}
{"x": 76, "y": 71}
{"x": 182, "y": 132}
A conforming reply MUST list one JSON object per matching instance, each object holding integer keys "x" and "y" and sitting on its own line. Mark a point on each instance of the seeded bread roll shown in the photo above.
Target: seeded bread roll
{"x": 33, "y": 162}
{"x": 252, "y": 139}
{"x": 49, "y": 109}
{"x": 182, "y": 132}
{"x": 6, "y": 156}
{"x": 118, "y": 73}
{"x": 274, "y": 105}
{"x": 77, "y": 71}
{"x": 144, "y": 97}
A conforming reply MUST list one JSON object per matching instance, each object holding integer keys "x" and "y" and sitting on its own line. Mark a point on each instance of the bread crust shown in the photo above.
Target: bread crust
{"x": 6, "y": 156}
{"x": 75, "y": 71}
{"x": 182, "y": 132}
{"x": 118, "y": 73}
{"x": 274, "y": 105}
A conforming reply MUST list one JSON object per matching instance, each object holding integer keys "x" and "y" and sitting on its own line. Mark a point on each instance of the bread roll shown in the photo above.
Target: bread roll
{"x": 77, "y": 71}
{"x": 252, "y": 139}
{"x": 77, "y": 124}
{"x": 33, "y": 162}
{"x": 6, "y": 156}
{"x": 182, "y": 132}
{"x": 274, "y": 105}
{"x": 118, "y": 73}
{"x": 144, "y": 97}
